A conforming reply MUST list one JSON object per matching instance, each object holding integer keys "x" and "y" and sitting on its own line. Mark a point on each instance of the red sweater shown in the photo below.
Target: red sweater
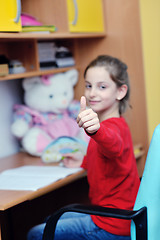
{"x": 112, "y": 172}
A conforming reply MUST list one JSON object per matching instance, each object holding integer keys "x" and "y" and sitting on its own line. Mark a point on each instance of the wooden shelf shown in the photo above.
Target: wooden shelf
{"x": 56, "y": 35}
{"x": 35, "y": 73}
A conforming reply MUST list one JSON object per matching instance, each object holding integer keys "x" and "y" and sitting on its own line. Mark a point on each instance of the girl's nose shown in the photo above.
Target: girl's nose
{"x": 92, "y": 92}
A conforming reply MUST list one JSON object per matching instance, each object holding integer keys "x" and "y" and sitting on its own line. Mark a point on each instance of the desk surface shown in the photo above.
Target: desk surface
{"x": 10, "y": 198}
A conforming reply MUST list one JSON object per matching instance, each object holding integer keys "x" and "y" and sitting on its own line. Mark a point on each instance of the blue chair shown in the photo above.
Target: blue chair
{"x": 145, "y": 224}
{"x": 149, "y": 190}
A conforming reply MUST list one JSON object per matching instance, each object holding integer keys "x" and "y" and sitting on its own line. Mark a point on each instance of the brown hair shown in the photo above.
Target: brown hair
{"x": 118, "y": 73}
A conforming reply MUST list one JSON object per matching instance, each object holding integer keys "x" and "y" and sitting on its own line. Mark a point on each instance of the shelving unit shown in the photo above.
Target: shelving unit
{"x": 23, "y": 46}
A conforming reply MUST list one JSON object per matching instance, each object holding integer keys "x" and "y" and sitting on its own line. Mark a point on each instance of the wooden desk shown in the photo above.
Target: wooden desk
{"x": 11, "y": 199}
{"x": 35, "y": 205}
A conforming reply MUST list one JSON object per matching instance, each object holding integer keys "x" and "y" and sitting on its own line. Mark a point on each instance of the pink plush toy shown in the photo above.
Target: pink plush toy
{"x": 49, "y": 112}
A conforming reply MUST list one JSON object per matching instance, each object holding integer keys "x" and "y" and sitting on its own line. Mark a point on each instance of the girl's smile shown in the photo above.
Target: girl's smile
{"x": 91, "y": 102}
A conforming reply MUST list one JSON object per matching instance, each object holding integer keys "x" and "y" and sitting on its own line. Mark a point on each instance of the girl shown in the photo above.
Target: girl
{"x": 110, "y": 162}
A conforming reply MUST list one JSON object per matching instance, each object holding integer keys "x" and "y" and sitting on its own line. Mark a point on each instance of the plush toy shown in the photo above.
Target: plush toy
{"x": 49, "y": 112}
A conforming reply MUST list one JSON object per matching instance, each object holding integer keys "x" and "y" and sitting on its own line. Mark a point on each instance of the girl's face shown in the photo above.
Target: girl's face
{"x": 101, "y": 93}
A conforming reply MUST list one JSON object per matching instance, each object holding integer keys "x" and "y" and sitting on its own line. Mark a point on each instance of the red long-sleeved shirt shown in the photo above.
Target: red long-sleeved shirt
{"x": 112, "y": 172}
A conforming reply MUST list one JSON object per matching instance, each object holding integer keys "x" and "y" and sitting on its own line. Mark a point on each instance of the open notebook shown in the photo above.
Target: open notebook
{"x": 33, "y": 177}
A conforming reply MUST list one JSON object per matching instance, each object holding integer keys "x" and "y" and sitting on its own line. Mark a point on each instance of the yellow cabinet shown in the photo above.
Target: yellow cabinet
{"x": 10, "y": 11}
{"x": 85, "y": 15}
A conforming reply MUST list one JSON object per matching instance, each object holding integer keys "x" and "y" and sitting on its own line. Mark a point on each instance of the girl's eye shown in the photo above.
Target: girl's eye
{"x": 102, "y": 87}
{"x": 51, "y": 96}
{"x": 88, "y": 85}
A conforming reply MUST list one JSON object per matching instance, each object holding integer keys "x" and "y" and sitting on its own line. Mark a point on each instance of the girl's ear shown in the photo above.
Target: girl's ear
{"x": 122, "y": 91}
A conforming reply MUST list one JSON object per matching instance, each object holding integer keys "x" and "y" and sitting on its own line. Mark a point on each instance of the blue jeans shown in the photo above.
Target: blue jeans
{"x": 75, "y": 226}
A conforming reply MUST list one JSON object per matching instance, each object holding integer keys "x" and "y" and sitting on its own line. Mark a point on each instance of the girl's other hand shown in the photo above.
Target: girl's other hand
{"x": 73, "y": 160}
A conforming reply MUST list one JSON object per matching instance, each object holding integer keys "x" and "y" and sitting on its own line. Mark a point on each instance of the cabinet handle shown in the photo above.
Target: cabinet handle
{"x": 16, "y": 20}
{"x": 74, "y": 22}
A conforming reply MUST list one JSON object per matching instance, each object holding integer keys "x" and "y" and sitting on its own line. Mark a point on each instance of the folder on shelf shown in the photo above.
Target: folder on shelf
{"x": 43, "y": 28}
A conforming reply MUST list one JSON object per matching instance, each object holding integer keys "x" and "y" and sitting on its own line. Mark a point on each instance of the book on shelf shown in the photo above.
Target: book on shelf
{"x": 43, "y": 28}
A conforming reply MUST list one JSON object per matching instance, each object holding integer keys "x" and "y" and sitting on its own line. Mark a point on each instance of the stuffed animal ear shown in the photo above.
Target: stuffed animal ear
{"x": 28, "y": 83}
{"x": 72, "y": 76}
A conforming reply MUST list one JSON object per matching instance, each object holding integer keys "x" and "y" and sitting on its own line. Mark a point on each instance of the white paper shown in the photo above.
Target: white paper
{"x": 33, "y": 177}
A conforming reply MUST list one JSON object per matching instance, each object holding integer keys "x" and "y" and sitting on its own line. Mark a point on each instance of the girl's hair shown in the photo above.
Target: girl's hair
{"x": 118, "y": 73}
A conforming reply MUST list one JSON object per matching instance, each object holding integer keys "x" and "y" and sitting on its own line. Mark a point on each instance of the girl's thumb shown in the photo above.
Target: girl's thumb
{"x": 82, "y": 104}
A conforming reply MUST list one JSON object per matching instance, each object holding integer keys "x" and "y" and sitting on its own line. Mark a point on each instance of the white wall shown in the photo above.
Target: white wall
{"x": 10, "y": 93}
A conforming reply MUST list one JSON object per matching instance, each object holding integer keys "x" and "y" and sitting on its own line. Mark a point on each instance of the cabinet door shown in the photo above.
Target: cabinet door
{"x": 10, "y": 11}
{"x": 85, "y": 15}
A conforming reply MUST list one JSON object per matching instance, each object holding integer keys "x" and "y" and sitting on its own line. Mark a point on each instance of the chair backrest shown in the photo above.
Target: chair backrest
{"x": 149, "y": 191}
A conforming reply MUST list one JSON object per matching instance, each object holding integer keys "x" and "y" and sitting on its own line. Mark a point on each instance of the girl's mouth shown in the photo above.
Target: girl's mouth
{"x": 92, "y": 102}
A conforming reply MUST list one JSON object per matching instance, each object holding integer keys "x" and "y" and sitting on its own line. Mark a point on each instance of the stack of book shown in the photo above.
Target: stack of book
{"x": 39, "y": 29}
{"x": 31, "y": 24}
{"x": 47, "y": 53}
{"x": 51, "y": 56}
{"x": 64, "y": 57}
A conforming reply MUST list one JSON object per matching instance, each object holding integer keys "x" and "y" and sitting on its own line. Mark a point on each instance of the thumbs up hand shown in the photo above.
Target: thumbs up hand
{"x": 87, "y": 118}
{"x": 82, "y": 104}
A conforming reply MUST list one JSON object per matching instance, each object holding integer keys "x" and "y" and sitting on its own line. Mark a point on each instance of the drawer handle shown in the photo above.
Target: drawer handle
{"x": 74, "y": 22}
{"x": 16, "y": 20}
